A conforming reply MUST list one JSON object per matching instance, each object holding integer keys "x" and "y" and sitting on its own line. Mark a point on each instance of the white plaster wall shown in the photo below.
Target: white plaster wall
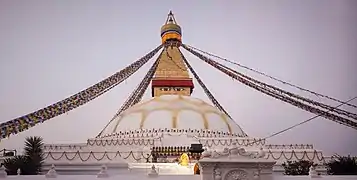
{"x": 136, "y": 176}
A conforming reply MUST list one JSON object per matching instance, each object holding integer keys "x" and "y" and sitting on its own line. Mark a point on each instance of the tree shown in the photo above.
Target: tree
{"x": 295, "y": 168}
{"x": 15, "y": 163}
{"x": 34, "y": 152}
{"x": 342, "y": 165}
{"x": 31, "y": 162}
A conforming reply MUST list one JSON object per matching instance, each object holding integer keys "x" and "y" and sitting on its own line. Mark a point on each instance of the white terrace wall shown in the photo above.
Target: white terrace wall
{"x": 167, "y": 177}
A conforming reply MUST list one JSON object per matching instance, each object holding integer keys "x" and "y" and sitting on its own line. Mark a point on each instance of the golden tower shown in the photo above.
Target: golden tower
{"x": 171, "y": 76}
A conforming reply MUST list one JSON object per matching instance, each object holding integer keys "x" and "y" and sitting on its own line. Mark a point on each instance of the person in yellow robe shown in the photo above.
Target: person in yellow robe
{"x": 184, "y": 160}
{"x": 196, "y": 169}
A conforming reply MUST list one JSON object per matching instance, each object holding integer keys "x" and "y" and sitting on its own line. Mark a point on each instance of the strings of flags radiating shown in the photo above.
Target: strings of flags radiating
{"x": 25, "y": 122}
{"x": 295, "y": 100}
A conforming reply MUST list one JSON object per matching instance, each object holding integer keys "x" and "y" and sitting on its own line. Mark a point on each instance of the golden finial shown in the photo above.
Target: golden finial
{"x": 171, "y": 30}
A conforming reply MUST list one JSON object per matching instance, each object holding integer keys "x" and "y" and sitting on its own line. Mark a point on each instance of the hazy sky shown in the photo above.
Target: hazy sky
{"x": 50, "y": 50}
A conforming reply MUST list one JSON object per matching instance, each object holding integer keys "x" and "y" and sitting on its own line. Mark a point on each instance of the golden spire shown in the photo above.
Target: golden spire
{"x": 171, "y": 30}
{"x": 171, "y": 76}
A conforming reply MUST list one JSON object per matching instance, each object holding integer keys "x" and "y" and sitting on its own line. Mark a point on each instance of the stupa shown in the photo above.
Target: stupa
{"x": 159, "y": 130}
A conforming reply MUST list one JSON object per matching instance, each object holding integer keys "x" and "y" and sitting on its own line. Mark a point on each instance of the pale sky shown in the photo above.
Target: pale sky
{"x": 50, "y": 50}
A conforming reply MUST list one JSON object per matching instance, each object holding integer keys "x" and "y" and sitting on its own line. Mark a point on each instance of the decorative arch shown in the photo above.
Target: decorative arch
{"x": 236, "y": 174}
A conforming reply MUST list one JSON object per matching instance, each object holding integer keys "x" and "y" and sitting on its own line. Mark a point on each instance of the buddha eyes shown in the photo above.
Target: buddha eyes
{"x": 164, "y": 89}
{"x": 171, "y": 89}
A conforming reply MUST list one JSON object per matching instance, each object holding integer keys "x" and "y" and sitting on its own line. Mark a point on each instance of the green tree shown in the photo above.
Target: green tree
{"x": 15, "y": 163}
{"x": 342, "y": 165}
{"x": 34, "y": 152}
{"x": 294, "y": 168}
{"x": 31, "y": 162}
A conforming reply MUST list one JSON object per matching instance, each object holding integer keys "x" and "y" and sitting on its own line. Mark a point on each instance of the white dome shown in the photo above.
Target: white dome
{"x": 173, "y": 112}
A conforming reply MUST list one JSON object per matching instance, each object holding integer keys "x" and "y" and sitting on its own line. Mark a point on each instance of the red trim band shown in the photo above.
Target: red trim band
{"x": 172, "y": 83}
